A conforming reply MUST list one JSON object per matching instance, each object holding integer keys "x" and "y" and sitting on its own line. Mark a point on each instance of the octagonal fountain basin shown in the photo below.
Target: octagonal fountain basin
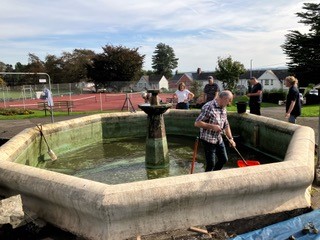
{"x": 97, "y": 210}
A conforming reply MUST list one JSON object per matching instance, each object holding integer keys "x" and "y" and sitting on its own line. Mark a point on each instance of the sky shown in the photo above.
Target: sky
{"x": 199, "y": 31}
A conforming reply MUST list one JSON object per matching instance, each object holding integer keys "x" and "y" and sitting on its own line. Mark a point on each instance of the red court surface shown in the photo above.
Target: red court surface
{"x": 89, "y": 102}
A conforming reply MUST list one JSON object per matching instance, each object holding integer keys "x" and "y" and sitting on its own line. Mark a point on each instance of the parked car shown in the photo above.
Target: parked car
{"x": 313, "y": 92}
{"x": 302, "y": 99}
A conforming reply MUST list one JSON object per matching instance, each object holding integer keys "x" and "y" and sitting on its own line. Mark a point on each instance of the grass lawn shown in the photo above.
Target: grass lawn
{"x": 307, "y": 111}
{"x": 233, "y": 107}
{"x": 40, "y": 114}
{"x": 310, "y": 111}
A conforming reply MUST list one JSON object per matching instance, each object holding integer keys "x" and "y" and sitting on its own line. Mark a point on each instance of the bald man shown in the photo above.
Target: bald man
{"x": 212, "y": 122}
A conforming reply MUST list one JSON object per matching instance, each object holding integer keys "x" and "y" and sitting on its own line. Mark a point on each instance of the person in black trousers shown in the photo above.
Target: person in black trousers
{"x": 255, "y": 96}
{"x": 293, "y": 103}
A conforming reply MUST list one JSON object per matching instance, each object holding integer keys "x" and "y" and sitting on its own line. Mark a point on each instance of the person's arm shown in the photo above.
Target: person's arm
{"x": 292, "y": 104}
{"x": 204, "y": 97}
{"x": 210, "y": 126}
{"x": 217, "y": 92}
{"x": 259, "y": 93}
{"x": 205, "y": 94}
{"x": 174, "y": 96}
{"x": 216, "y": 95}
{"x": 229, "y": 135}
{"x": 190, "y": 96}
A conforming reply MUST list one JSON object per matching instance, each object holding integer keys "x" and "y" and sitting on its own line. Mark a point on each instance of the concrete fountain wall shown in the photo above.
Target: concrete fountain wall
{"x": 100, "y": 211}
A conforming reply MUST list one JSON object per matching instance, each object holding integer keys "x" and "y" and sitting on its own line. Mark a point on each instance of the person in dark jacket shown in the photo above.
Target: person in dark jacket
{"x": 255, "y": 96}
{"x": 293, "y": 103}
{"x": 210, "y": 90}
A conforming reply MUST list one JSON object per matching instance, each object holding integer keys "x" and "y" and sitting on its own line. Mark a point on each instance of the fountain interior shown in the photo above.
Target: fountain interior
{"x": 115, "y": 161}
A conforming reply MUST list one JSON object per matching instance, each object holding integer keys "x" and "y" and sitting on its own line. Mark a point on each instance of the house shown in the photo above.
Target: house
{"x": 269, "y": 79}
{"x": 202, "y": 77}
{"x": 190, "y": 77}
{"x": 186, "y": 78}
{"x": 151, "y": 82}
{"x": 174, "y": 81}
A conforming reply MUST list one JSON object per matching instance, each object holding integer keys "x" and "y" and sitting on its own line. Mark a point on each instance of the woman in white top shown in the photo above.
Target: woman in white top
{"x": 184, "y": 96}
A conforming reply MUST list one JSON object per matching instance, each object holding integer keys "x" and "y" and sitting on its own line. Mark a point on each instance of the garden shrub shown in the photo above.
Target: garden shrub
{"x": 273, "y": 96}
{"x": 15, "y": 111}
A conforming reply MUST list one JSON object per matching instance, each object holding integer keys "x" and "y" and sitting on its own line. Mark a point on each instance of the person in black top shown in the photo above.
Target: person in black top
{"x": 255, "y": 96}
{"x": 293, "y": 103}
{"x": 211, "y": 90}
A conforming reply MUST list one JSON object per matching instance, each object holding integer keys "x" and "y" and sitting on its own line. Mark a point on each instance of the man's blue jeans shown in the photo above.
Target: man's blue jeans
{"x": 216, "y": 155}
{"x": 292, "y": 119}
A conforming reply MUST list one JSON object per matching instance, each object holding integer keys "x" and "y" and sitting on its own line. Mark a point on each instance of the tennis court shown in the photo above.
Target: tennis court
{"x": 89, "y": 102}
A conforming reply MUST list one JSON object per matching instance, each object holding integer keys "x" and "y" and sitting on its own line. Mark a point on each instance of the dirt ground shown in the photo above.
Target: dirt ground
{"x": 221, "y": 231}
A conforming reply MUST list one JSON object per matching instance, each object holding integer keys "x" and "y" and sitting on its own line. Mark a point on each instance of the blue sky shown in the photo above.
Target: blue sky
{"x": 199, "y": 31}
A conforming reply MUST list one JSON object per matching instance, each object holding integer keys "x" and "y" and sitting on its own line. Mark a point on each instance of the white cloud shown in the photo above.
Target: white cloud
{"x": 198, "y": 30}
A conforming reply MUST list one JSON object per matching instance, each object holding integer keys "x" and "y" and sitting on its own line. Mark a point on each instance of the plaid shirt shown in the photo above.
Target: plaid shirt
{"x": 213, "y": 114}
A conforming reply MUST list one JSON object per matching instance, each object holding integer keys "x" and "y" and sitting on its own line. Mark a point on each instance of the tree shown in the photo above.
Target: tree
{"x": 303, "y": 50}
{"x": 74, "y": 65}
{"x": 148, "y": 72}
{"x": 19, "y": 67}
{"x": 197, "y": 89}
{"x": 2, "y": 66}
{"x": 116, "y": 66}
{"x": 228, "y": 71}
{"x": 35, "y": 65}
{"x": 164, "y": 60}
{"x": 2, "y": 83}
{"x": 53, "y": 66}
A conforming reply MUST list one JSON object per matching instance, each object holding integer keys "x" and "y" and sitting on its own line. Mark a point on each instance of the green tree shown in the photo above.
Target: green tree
{"x": 19, "y": 67}
{"x": 303, "y": 50}
{"x": 53, "y": 66}
{"x": 116, "y": 67}
{"x": 74, "y": 65}
{"x": 2, "y": 66}
{"x": 2, "y": 83}
{"x": 197, "y": 89}
{"x": 9, "y": 79}
{"x": 164, "y": 60}
{"x": 35, "y": 65}
{"x": 228, "y": 71}
{"x": 148, "y": 72}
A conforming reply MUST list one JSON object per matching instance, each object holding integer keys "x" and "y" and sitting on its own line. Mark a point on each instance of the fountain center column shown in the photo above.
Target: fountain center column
{"x": 157, "y": 155}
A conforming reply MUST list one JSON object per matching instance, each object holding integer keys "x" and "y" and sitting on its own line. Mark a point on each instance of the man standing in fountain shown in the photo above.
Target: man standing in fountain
{"x": 212, "y": 122}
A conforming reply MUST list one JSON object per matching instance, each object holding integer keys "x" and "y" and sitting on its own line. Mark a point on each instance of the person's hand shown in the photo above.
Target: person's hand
{"x": 287, "y": 115}
{"x": 232, "y": 143}
{"x": 216, "y": 128}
